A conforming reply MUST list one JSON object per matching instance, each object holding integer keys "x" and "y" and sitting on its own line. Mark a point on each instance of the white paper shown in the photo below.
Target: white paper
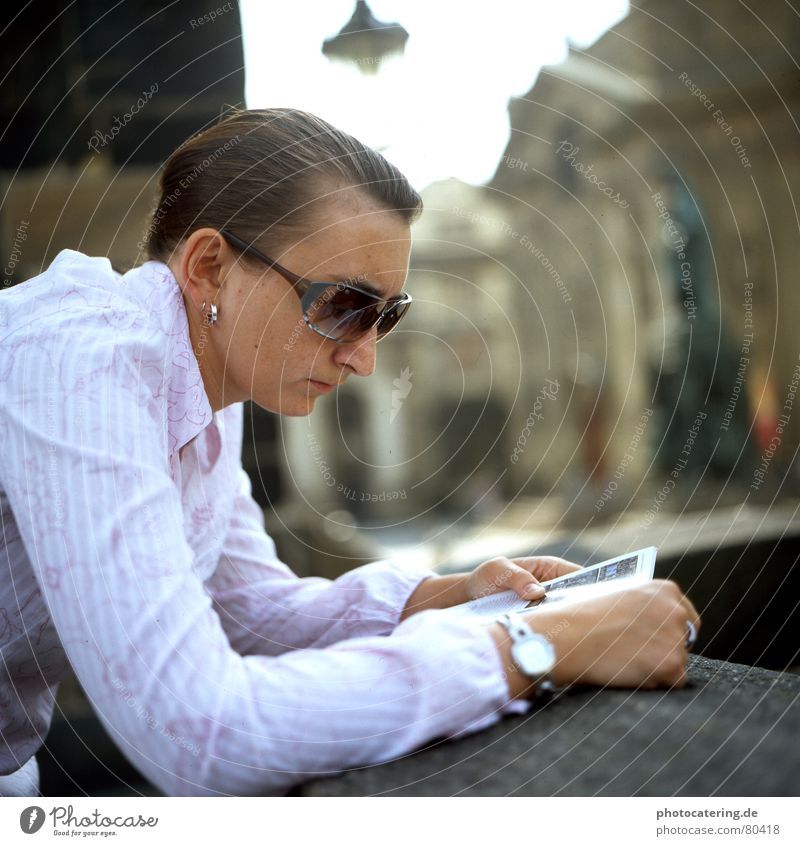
{"x": 610, "y": 575}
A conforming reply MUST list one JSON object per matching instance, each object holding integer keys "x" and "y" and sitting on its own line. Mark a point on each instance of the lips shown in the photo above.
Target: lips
{"x": 322, "y": 387}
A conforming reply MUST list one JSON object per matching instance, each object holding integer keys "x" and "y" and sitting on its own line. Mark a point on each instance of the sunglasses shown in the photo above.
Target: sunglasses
{"x": 339, "y": 311}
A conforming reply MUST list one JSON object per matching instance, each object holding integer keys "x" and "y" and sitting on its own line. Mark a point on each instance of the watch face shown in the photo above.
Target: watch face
{"x": 534, "y": 656}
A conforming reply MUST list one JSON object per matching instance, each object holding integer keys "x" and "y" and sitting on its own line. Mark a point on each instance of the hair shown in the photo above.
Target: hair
{"x": 264, "y": 172}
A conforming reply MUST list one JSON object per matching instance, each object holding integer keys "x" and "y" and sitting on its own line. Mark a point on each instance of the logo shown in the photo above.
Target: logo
{"x": 31, "y": 819}
{"x": 402, "y": 388}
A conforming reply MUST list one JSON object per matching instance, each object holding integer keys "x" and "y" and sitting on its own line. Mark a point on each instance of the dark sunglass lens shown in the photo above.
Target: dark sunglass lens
{"x": 391, "y": 318}
{"x": 343, "y": 313}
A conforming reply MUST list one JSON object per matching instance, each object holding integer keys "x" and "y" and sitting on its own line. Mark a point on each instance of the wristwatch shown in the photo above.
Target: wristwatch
{"x": 532, "y": 653}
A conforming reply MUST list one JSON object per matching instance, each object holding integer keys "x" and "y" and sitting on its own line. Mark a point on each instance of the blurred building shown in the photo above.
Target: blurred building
{"x": 609, "y": 322}
{"x": 607, "y": 325}
{"x": 614, "y": 310}
{"x": 659, "y": 171}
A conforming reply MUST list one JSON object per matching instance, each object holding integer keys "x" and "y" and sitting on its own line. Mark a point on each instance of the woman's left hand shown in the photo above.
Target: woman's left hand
{"x": 521, "y": 575}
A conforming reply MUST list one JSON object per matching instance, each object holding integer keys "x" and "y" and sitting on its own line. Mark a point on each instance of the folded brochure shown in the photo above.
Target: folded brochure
{"x": 614, "y": 574}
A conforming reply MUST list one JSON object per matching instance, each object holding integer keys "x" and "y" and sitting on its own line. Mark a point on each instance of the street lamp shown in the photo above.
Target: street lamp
{"x": 365, "y": 41}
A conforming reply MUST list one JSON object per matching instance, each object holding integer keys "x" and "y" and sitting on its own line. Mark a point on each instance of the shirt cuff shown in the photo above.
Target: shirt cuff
{"x": 477, "y": 686}
{"x": 396, "y": 583}
{"x": 392, "y": 584}
{"x": 499, "y": 688}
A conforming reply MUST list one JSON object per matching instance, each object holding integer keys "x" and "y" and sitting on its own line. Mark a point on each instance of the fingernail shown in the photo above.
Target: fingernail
{"x": 534, "y": 590}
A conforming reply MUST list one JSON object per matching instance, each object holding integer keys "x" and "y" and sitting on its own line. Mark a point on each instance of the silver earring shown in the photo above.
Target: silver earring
{"x": 211, "y": 316}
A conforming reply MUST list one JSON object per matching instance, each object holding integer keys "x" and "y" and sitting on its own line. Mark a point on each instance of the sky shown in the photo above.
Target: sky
{"x": 439, "y": 111}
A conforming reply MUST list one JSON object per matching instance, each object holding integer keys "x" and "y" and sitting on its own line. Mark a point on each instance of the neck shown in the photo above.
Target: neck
{"x": 200, "y": 337}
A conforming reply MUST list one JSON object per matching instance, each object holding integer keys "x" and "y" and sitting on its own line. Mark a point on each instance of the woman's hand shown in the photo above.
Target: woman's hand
{"x": 633, "y": 637}
{"x": 518, "y": 574}
{"x": 522, "y": 575}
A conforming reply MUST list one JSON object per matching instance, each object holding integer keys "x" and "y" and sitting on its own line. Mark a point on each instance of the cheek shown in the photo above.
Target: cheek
{"x": 265, "y": 325}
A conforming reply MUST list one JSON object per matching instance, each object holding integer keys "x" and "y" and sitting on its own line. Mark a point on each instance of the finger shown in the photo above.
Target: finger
{"x": 681, "y": 677}
{"x": 691, "y": 612}
{"x": 546, "y": 567}
{"x": 522, "y": 581}
{"x": 686, "y": 604}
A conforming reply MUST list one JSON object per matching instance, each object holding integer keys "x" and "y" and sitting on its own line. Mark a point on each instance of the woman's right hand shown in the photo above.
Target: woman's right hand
{"x": 633, "y": 637}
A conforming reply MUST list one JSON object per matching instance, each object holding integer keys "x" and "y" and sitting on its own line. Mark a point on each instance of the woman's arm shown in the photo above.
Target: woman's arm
{"x": 439, "y": 592}
{"x": 266, "y": 609}
{"x": 89, "y": 485}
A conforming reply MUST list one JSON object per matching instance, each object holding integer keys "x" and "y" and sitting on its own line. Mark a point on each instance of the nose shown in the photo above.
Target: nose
{"x": 358, "y": 355}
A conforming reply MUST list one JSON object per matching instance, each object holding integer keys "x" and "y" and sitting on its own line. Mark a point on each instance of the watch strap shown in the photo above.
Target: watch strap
{"x": 520, "y": 631}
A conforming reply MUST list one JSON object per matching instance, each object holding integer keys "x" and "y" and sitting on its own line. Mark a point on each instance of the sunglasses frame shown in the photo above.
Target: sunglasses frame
{"x": 309, "y": 291}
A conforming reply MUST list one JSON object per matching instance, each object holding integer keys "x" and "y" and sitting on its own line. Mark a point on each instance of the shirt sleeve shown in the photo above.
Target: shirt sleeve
{"x": 266, "y": 609}
{"x": 87, "y": 477}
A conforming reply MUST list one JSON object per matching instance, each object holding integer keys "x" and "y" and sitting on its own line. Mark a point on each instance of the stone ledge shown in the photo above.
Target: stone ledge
{"x": 731, "y": 732}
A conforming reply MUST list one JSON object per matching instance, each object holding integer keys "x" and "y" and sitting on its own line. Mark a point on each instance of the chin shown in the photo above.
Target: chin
{"x": 298, "y": 411}
{"x": 292, "y": 408}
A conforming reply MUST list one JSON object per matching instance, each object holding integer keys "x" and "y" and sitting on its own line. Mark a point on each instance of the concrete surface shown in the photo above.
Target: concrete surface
{"x": 733, "y": 731}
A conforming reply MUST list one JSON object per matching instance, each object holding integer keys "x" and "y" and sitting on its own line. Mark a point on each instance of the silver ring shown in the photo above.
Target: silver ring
{"x": 691, "y": 637}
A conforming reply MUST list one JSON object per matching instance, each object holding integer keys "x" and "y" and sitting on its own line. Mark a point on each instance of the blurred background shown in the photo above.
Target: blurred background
{"x": 603, "y": 353}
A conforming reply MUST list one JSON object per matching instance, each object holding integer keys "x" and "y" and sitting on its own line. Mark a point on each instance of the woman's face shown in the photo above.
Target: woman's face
{"x": 260, "y": 348}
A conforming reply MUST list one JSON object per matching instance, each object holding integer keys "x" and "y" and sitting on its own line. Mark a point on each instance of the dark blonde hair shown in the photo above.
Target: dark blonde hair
{"x": 264, "y": 172}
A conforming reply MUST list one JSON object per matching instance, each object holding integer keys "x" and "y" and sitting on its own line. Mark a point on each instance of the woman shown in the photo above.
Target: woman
{"x": 134, "y": 552}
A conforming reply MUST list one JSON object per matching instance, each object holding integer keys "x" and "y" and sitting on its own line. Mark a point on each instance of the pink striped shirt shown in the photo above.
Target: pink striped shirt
{"x": 146, "y": 568}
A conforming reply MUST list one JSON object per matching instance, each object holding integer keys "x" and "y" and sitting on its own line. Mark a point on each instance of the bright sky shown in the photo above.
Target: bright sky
{"x": 441, "y": 109}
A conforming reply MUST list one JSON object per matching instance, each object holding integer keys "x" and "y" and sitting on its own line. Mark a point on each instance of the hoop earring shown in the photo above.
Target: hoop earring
{"x": 210, "y": 317}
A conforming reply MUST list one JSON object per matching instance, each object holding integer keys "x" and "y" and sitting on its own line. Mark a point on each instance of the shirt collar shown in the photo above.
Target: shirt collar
{"x": 188, "y": 407}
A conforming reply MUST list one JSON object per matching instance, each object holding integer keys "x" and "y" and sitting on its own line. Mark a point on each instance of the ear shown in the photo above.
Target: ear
{"x": 201, "y": 265}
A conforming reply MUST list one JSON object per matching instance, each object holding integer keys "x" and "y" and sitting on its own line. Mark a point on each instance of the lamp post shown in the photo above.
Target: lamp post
{"x": 365, "y": 41}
